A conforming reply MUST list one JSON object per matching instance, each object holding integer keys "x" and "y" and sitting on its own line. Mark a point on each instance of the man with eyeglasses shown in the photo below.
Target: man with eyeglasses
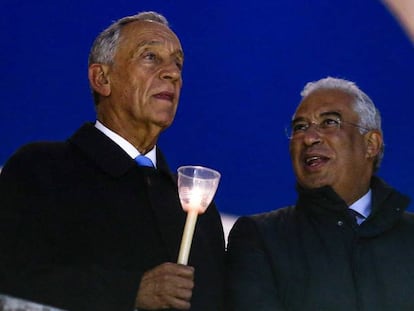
{"x": 348, "y": 243}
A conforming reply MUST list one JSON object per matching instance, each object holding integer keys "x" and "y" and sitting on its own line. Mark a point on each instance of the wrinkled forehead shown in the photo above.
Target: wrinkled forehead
{"x": 322, "y": 101}
{"x": 150, "y": 31}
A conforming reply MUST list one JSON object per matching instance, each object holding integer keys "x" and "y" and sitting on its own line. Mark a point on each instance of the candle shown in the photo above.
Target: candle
{"x": 196, "y": 187}
{"x": 187, "y": 236}
{"x": 193, "y": 208}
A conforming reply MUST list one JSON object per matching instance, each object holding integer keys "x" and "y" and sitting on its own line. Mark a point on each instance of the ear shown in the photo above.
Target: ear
{"x": 99, "y": 79}
{"x": 374, "y": 142}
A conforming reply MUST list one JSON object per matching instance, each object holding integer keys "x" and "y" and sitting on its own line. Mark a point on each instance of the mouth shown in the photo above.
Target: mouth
{"x": 165, "y": 96}
{"x": 315, "y": 161}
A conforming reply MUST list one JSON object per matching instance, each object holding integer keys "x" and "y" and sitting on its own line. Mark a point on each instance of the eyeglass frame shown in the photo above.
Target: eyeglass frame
{"x": 289, "y": 131}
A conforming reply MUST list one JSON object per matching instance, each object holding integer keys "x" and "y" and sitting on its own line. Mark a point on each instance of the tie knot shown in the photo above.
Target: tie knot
{"x": 358, "y": 217}
{"x": 144, "y": 161}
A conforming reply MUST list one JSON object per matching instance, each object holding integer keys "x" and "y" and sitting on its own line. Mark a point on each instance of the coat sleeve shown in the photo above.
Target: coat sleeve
{"x": 250, "y": 283}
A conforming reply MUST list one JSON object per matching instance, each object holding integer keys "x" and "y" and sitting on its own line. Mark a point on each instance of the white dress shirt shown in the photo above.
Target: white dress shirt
{"x": 126, "y": 145}
{"x": 363, "y": 206}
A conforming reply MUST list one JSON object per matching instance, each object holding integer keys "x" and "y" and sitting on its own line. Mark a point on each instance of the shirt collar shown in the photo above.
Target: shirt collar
{"x": 126, "y": 145}
{"x": 363, "y": 205}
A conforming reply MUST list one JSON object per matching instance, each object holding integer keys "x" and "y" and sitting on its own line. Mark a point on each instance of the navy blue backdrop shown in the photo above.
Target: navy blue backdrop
{"x": 245, "y": 64}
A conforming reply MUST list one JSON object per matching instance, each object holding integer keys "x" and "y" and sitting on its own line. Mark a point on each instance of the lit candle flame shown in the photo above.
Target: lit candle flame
{"x": 196, "y": 197}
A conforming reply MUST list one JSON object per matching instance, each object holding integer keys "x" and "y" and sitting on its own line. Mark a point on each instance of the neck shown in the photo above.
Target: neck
{"x": 141, "y": 137}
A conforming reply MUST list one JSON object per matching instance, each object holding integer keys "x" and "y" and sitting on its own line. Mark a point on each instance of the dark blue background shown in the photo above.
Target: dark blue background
{"x": 245, "y": 64}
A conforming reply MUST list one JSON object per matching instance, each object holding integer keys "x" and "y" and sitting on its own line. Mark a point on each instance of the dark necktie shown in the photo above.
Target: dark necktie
{"x": 357, "y": 217}
{"x": 144, "y": 161}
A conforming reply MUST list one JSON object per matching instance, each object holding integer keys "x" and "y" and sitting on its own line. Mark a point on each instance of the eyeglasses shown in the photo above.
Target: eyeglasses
{"x": 327, "y": 125}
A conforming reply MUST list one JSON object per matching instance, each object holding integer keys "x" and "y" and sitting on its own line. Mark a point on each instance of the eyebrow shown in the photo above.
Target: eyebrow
{"x": 331, "y": 113}
{"x": 323, "y": 114}
{"x": 144, "y": 43}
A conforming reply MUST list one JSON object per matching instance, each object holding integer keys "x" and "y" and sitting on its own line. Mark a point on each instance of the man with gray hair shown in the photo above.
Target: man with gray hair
{"x": 348, "y": 242}
{"x": 94, "y": 223}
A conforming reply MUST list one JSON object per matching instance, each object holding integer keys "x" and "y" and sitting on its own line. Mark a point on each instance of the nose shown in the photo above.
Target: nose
{"x": 171, "y": 72}
{"x": 312, "y": 135}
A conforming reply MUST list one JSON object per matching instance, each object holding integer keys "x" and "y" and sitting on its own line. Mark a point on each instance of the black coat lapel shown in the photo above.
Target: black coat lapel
{"x": 105, "y": 153}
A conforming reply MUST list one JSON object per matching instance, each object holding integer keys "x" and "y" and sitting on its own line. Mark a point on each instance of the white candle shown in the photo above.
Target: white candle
{"x": 187, "y": 238}
{"x": 193, "y": 208}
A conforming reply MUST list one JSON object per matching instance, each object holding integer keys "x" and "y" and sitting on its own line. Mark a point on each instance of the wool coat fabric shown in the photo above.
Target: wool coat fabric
{"x": 80, "y": 222}
{"x": 312, "y": 256}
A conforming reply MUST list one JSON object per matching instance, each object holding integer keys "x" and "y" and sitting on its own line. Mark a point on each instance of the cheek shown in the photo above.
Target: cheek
{"x": 294, "y": 150}
{"x": 123, "y": 84}
{"x": 352, "y": 149}
{"x": 144, "y": 86}
{"x": 351, "y": 160}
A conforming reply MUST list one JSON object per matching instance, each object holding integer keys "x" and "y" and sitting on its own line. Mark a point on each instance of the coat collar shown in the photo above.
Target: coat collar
{"x": 101, "y": 150}
{"x": 328, "y": 198}
{"x": 388, "y": 205}
{"x": 106, "y": 154}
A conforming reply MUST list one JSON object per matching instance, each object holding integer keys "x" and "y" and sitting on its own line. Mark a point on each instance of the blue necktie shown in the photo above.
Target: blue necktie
{"x": 144, "y": 161}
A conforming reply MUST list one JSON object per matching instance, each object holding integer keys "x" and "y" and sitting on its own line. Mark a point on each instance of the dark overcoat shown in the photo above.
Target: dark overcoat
{"x": 313, "y": 257}
{"x": 80, "y": 223}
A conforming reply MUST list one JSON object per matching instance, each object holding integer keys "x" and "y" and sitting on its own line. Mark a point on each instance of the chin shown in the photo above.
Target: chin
{"x": 164, "y": 124}
{"x": 165, "y": 120}
{"x": 314, "y": 183}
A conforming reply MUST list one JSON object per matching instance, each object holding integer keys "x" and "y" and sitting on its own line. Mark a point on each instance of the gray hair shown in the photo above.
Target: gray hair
{"x": 104, "y": 47}
{"x": 369, "y": 115}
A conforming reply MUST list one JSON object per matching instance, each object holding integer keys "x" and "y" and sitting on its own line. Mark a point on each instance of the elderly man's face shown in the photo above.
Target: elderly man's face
{"x": 339, "y": 157}
{"x": 146, "y": 75}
